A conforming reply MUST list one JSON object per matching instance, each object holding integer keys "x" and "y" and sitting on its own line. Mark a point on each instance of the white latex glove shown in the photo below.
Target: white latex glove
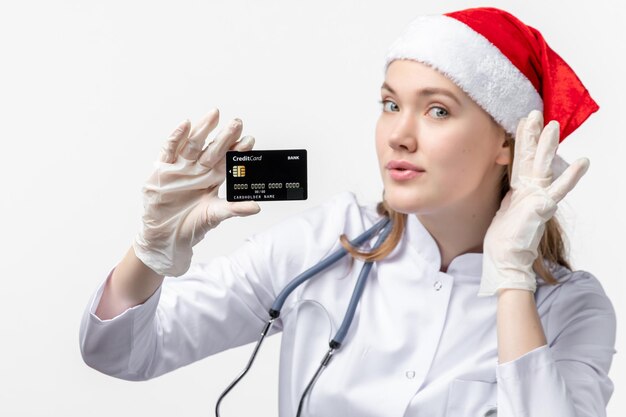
{"x": 180, "y": 197}
{"x": 511, "y": 242}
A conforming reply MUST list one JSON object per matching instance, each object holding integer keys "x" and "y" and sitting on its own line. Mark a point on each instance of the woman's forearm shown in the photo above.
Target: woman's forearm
{"x": 131, "y": 283}
{"x": 519, "y": 327}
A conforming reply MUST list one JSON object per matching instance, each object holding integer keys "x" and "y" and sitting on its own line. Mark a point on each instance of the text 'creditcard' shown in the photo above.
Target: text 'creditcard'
{"x": 270, "y": 175}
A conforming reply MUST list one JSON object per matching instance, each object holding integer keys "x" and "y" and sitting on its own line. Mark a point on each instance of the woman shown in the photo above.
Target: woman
{"x": 471, "y": 308}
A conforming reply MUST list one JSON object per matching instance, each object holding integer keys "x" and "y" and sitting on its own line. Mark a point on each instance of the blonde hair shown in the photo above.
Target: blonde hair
{"x": 551, "y": 247}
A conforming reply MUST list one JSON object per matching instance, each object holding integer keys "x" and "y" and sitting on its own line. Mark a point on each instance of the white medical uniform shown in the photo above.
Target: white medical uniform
{"x": 422, "y": 343}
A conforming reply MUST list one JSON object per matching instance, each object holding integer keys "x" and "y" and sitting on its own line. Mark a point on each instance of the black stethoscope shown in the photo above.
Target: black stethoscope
{"x": 386, "y": 226}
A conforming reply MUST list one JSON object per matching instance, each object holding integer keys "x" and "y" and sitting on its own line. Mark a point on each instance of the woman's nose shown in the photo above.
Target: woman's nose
{"x": 404, "y": 134}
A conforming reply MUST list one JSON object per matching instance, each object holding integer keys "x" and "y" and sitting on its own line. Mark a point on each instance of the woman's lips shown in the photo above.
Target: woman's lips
{"x": 403, "y": 175}
{"x": 403, "y": 170}
{"x": 400, "y": 164}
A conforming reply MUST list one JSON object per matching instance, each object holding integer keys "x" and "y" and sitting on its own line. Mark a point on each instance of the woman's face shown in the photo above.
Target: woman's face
{"x": 456, "y": 143}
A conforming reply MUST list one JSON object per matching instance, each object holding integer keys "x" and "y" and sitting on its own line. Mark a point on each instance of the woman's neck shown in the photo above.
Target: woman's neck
{"x": 460, "y": 229}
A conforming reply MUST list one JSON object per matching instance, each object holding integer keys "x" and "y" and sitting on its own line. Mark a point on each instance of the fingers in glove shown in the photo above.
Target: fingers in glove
{"x": 221, "y": 210}
{"x": 244, "y": 144}
{"x": 546, "y": 149}
{"x": 168, "y": 151}
{"x": 526, "y": 146}
{"x": 244, "y": 208}
{"x": 216, "y": 150}
{"x": 192, "y": 147}
{"x": 568, "y": 180}
{"x": 517, "y": 148}
{"x": 219, "y": 169}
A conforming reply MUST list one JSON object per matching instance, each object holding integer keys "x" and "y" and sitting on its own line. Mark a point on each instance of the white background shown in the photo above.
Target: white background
{"x": 90, "y": 90}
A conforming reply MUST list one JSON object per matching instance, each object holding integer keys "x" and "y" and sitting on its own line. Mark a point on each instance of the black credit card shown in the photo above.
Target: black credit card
{"x": 266, "y": 175}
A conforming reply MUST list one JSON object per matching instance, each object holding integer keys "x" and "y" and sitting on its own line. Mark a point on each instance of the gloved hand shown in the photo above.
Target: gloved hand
{"x": 512, "y": 239}
{"x": 180, "y": 197}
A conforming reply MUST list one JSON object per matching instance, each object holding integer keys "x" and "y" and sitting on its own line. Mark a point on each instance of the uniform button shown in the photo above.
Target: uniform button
{"x": 437, "y": 285}
{"x": 410, "y": 374}
{"x": 492, "y": 412}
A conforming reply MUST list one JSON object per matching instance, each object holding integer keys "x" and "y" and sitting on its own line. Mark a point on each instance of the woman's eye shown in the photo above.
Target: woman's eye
{"x": 389, "y": 105}
{"x": 442, "y": 114}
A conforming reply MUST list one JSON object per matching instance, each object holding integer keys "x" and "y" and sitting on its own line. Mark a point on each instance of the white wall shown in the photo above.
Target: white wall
{"x": 89, "y": 91}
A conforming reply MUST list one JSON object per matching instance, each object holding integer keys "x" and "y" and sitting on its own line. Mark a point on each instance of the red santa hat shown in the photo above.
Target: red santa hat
{"x": 504, "y": 65}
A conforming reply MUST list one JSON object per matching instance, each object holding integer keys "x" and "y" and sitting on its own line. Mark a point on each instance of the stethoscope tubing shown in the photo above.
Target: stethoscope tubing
{"x": 386, "y": 225}
{"x": 336, "y": 342}
{"x": 323, "y": 264}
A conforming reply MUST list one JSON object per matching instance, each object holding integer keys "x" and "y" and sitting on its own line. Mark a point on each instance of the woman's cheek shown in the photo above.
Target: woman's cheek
{"x": 451, "y": 177}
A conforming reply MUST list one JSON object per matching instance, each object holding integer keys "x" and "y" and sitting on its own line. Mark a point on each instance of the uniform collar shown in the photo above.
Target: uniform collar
{"x": 422, "y": 242}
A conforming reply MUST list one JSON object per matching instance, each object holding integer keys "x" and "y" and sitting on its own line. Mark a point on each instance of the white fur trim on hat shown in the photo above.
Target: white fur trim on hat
{"x": 473, "y": 63}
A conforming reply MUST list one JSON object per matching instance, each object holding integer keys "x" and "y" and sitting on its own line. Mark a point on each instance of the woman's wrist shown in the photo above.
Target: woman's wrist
{"x": 130, "y": 284}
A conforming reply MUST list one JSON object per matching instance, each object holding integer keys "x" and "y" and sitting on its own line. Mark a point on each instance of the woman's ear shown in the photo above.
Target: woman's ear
{"x": 504, "y": 154}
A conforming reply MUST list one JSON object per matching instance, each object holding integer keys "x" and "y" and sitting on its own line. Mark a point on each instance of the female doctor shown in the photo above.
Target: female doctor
{"x": 470, "y": 308}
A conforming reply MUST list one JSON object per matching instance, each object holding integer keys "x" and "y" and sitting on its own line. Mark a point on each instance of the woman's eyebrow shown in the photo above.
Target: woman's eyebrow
{"x": 427, "y": 92}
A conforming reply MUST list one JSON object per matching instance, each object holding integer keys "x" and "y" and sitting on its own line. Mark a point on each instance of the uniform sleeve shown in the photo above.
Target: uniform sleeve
{"x": 568, "y": 377}
{"x": 214, "y": 306}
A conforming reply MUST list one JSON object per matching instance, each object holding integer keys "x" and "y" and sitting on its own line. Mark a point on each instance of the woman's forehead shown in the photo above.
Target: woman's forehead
{"x": 409, "y": 75}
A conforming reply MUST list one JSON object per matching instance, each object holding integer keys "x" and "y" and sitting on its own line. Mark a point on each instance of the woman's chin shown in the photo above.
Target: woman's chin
{"x": 406, "y": 202}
